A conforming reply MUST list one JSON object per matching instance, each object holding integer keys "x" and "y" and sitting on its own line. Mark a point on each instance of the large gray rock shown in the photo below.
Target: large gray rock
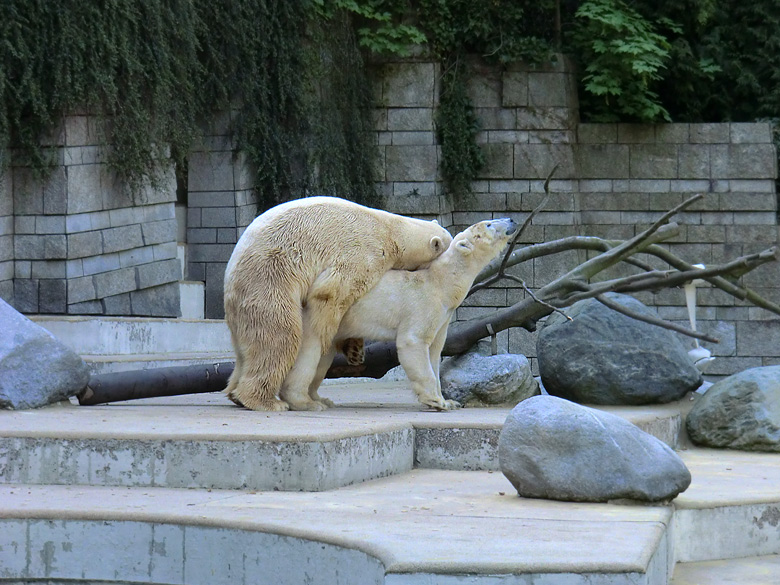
{"x": 36, "y": 368}
{"x": 739, "y": 412}
{"x": 604, "y": 357}
{"x": 483, "y": 380}
{"x": 555, "y": 449}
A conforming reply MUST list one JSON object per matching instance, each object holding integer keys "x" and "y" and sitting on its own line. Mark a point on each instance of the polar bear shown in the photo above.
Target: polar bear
{"x": 345, "y": 248}
{"x": 414, "y": 308}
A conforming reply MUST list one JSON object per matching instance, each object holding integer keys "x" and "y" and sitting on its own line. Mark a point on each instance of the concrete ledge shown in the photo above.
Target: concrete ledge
{"x": 398, "y": 530}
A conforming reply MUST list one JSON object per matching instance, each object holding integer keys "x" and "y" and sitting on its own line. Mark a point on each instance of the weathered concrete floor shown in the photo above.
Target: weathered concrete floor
{"x": 418, "y": 525}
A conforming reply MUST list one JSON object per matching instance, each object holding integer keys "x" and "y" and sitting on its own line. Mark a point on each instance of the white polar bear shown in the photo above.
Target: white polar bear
{"x": 414, "y": 308}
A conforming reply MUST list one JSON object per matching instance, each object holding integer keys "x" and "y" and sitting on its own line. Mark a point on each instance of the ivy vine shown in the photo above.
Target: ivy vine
{"x": 155, "y": 70}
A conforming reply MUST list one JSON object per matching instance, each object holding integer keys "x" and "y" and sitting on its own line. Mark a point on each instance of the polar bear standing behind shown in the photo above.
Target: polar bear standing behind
{"x": 345, "y": 248}
{"x": 414, "y": 308}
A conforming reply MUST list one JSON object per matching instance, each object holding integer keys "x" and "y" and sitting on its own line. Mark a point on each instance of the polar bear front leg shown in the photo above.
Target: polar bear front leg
{"x": 414, "y": 356}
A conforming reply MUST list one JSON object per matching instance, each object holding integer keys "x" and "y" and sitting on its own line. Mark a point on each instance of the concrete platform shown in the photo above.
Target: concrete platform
{"x": 195, "y": 490}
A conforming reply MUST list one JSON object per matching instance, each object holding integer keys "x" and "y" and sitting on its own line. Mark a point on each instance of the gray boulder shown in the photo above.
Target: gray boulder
{"x": 555, "y": 449}
{"x": 36, "y": 368}
{"x": 739, "y": 412}
{"x": 604, "y": 357}
{"x": 485, "y": 380}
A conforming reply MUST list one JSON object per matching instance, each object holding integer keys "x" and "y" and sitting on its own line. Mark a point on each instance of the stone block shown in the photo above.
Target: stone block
{"x": 744, "y": 161}
{"x": 86, "y": 308}
{"x": 84, "y": 244}
{"x": 227, "y": 235}
{"x": 410, "y": 119}
{"x": 81, "y": 289}
{"x": 159, "y": 301}
{"x": 122, "y": 238}
{"x": 27, "y": 192}
{"x": 508, "y": 136}
{"x": 50, "y": 224}
{"x": 751, "y": 133}
{"x": 597, "y": 133}
{"x": 125, "y": 216}
{"x": 755, "y": 218}
{"x": 26, "y": 295}
{"x": 156, "y": 232}
{"x": 196, "y": 271}
{"x": 245, "y": 214}
{"x": 747, "y": 202}
{"x": 159, "y": 211}
{"x": 752, "y": 186}
{"x": 165, "y": 251}
{"x": 690, "y": 186}
{"x": 7, "y": 291}
{"x": 193, "y": 217}
{"x": 85, "y": 192}
{"x": 603, "y": 161}
{"x": 55, "y": 247}
{"x": 550, "y": 136}
{"x": 709, "y": 133}
{"x": 595, "y": 186}
{"x": 101, "y": 263}
{"x": 117, "y": 305}
{"x": 214, "y": 301}
{"x": 404, "y": 138}
{"x": 672, "y": 133}
{"x": 29, "y": 247}
{"x": 55, "y": 192}
{"x": 52, "y": 296}
{"x": 114, "y": 282}
{"x": 210, "y": 252}
{"x": 535, "y": 161}
{"x": 157, "y": 273}
{"x": 202, "y": 235}
{"x": 758, "y": 339}
{"x": 212, "y": 199}
{"x": 24, "y": 224}
{"x": 135, "y": 256}
{"x": 636, "y": 133}
{"x": 74, "y": 268}
{"x": 210, "y": 171}
{"x": 496, "y": 118}
{"x": 514, "y": 85}
{"x": 649, "y": 185}
{"x": 48, "y": 269}
{"x": 413, "y": 203}
{"x": 218, "y": 217}
{"x": 547, "y": 89}
{"x": 498, "y": 161}
{"x": 82, "y": 130}
{"x": 658, "y": 161}
{"x": 409, "y": 85}
{"x": 411, "y": 163}
{"x": 547, "y": 118}
{"x": 706, "y": 233}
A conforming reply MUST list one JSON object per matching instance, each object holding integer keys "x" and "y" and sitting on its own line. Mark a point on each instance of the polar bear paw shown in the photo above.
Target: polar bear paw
{"x": 441, "y": 404}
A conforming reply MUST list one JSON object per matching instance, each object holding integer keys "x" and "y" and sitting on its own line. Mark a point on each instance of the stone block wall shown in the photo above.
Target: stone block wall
{"x": 612, "y": 181}
{"x": 83, "y": 243}
{"x": 220, "y": 204}
{"x": 6, "y": 237}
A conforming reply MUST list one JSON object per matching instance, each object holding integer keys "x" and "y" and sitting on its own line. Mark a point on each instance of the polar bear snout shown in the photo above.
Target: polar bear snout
{"x": 505, "y": 226}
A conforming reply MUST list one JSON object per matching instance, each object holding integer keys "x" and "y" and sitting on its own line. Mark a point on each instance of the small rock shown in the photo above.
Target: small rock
{"x": 739, "y": 412}
{"x": 601, "y": 356}
{"x": 555, "y": 449}
{"x": 473, "y": 379}
{"x": 36, "y": 368}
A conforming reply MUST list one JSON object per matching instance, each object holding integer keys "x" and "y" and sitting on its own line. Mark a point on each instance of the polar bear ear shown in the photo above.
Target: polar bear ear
{"x": 435, "y": 221}
{"x": 437, "y": 244}
{"x": 465, "y": 247}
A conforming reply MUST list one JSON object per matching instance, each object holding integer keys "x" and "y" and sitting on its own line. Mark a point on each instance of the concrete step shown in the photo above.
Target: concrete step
{"x": 764, "y": 570}
{"x": 204, "y": 441}
{"x": 422, "y": 527}
{"x": 113, "y": 344}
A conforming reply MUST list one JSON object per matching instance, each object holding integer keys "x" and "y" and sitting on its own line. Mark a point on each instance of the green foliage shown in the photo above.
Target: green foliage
{"x": 623, "y": 55}
{"x": 155, "y": 69}
{"x": 457, "y": 127}
{"x": 502, "y": 31}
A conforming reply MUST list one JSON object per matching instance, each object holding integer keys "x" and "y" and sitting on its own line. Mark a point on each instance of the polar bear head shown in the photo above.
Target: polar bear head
{"x": 484, "y": 240}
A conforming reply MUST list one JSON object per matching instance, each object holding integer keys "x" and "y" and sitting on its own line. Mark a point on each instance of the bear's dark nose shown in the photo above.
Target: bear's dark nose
{"x": 509, "y": 224}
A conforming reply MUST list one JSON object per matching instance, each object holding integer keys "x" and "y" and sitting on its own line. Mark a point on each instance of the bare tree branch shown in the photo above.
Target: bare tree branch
{"x": 654, "y": 320}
